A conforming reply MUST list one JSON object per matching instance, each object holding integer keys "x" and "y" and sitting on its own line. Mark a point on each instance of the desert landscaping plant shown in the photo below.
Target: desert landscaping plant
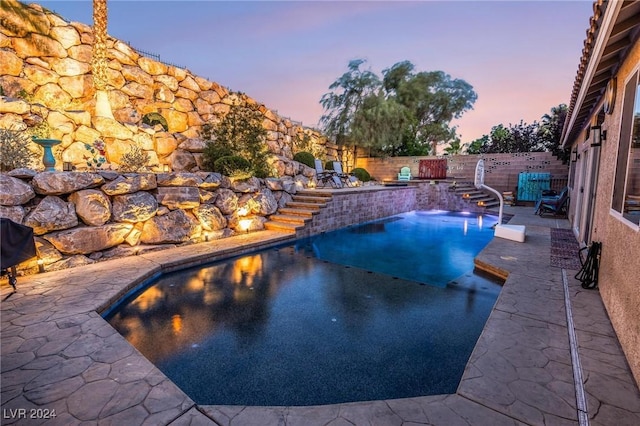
{"x": 14, "y": 153}
{"x": 135, "y": 160}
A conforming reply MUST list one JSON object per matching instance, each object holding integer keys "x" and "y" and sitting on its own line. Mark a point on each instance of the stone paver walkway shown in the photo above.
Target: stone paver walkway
{"x": 57, "y": 353}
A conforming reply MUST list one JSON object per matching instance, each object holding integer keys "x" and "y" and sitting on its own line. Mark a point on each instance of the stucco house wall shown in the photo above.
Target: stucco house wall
{"x": 619, "y": 276}
{"x": 620, "y": 260}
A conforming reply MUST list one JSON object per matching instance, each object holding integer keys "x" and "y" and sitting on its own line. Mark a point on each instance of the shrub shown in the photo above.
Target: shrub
{"x": 361, "y": 174}
{"x": 328, "y": 165}
{"x": 134, "y": 161}
{"x": 14, "y": 153}
{"x": 305, "y": 158}
{"x": 212, "y": 152}
{"x": 239, "y": 133}
{"x": 233, "y": 166}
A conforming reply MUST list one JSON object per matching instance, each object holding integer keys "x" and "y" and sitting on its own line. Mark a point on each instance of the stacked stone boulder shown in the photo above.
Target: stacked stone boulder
{"x": 45, "y": 75}
{"x": 83, "y": 217}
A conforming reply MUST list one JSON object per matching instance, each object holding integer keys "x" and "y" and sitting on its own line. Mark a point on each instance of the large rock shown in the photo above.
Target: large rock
{"x": 211, "y": 180}
{"x": 136, "y": 207}
{"x": 85, "y": 240}
{"x": 52, "y": 214}
{"x": 179, "y": 197}
{"x": 14, "y": 192}
{"x": 247, "y": 223}
{"x": 15, "y": 213}
{"x": 130, "y": 184}
{"x": 92, "y": 206}
{"x": 71, "y": 262}
{"x": 273, "y": 184}
{"x": 284, "y": 198}
{"x": 246, "y": 185}
{"x": 193, "y": 145}
{"x": 181, "y": 160}
{"x": 207, "y": 197}
{"x": 111, "y": 128}
{"x": 266, "y": 201}
{"x": 210, "y": 217}
{"x": 226, "y": 201}
{"x": 179, "y": 179}
{"x": 46, "y": 251}
{"x": 174, "y": 227}
{"x": 58, "y": 183}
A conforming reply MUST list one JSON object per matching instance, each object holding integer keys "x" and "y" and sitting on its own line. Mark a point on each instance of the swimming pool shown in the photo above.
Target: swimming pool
{"x": 311, "y": 323}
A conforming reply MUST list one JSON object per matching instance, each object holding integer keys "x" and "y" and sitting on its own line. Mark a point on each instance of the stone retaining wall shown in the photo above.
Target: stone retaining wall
{"x": 83, "y": 217}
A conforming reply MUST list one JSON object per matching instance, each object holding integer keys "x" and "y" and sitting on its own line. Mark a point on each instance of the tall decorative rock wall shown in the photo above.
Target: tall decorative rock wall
{"x": 45, "y": 75}
{"x": 82, "y": 217}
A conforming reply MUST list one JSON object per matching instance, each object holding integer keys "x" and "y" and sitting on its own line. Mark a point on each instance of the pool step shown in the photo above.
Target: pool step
{"x": 294, "y": 211}
{"x": 305, "y": 205}
{"x": 291, "y": 218}
{"x": 476, "y": 195}
{"x": 309, "y": 199}
{"x": 299, "y": 211}
{"x": 273, "y": 225}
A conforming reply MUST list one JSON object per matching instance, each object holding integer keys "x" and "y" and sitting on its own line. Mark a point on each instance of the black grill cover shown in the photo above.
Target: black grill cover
{"x": 16, "y": 243}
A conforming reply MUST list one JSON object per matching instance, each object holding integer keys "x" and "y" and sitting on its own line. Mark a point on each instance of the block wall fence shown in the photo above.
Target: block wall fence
{"x": 501, "y": 170}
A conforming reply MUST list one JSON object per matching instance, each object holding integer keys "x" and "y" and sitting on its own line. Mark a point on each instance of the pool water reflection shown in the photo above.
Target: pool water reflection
{"x": 284, "y": 327}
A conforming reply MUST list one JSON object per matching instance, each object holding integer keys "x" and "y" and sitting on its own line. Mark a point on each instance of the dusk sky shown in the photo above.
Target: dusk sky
{"x": 521, "y": 57}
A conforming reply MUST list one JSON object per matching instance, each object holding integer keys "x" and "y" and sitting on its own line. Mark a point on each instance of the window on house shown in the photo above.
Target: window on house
{"x": 626, "y": 193}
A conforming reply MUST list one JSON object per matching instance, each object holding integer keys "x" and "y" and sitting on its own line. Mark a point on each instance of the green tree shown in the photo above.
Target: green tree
{"x": 521, "y": 137}
{"x": 345, "y": 98}
{"x": 405, "y": 113}
{"x": 240, "y": 133}
{"x": 550, "y": 131}
{"x": 455, "y": 147}
{"x": 433, "y": 98}
{"x": 543, "y": 136}
{"x": 380, "y": 124}
{"x": 476, "y": 146}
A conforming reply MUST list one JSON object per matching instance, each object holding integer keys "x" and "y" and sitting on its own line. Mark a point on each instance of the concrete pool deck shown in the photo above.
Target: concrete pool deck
{"x": 58, "y": 354}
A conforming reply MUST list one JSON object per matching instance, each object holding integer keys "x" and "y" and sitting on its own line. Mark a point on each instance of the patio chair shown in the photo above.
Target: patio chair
{"x": 345, "y": 178}
{"x": 549, "y": 197}
{"x": 555, "y": 205}
{"x": 324, "y": 176}
{"x": 405, "y": 173}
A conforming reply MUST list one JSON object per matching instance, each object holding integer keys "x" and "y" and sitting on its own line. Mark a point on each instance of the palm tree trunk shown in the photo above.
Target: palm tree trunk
{"x": 99, "y": 59}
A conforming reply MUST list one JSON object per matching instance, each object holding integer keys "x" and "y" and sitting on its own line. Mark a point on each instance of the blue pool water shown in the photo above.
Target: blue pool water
{"x": 388, "y": 309}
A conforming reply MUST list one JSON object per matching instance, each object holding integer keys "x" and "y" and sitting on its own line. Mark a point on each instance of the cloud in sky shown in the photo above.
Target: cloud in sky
{"x": 521, "y": 57}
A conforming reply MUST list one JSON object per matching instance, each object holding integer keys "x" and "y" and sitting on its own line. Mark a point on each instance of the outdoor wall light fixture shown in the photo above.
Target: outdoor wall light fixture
{"x": 574, "y": 156}
{"x": 598, "y": 135}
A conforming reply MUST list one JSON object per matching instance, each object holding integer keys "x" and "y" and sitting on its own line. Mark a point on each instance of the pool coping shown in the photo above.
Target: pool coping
{"x": 59, "y": 354}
